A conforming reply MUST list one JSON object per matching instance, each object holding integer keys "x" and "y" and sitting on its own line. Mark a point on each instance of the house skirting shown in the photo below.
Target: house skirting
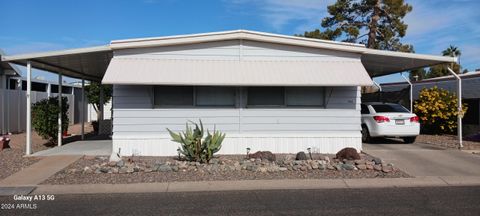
{"x": 237, "y": 144}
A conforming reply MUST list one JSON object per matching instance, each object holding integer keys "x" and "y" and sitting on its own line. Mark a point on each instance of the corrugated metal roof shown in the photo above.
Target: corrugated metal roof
{"x": 140, "y": 71}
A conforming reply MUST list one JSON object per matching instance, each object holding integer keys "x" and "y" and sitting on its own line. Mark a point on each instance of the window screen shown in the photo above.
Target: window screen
{"x": 215, "y": 96}
{"x": 305, "y": 96}
{"x": 173, "y": 96}
{"x": 266, "y": 96}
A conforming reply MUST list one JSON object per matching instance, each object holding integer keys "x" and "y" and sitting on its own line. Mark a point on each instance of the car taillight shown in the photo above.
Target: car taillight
{"x": 381, "y": 119}
{"x": 414, "y": 119}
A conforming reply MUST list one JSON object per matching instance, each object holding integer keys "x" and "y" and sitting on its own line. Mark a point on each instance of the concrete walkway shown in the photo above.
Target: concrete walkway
{"x": 87, "y": 147}
{"x": 287, "y": 184}
{"x": 39, "y": 172}
{"x": 426, "y": 160}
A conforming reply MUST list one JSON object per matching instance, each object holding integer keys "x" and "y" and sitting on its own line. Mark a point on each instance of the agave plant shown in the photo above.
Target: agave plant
{"x": 195, "y": 146}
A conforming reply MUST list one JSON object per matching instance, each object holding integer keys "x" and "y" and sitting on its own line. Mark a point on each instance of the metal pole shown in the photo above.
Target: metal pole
{"x": 3, "y": 105}
{"x": 60, "y": 132}
{"x": 460, "y": 109}
{"x": 82, "y": 111}
{"x": 28, "y": 143}
{"x": 411, "y": 92}
{"x": 49, "y": 90}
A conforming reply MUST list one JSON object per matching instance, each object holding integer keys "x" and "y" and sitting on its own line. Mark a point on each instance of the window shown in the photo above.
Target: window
{"x": 266, "y": 96}
{"x": 383, "y": 108}
{"x": 173, "y": 96}
{"x": 305, "y": 96}
{"x": 189, "y": 96}
{"x": 285, "y": 96}
{"x": 364, "y": 109}
{"x": 215, "y": 96}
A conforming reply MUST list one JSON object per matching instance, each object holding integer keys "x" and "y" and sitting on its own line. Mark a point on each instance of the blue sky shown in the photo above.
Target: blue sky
{"x": 33, "y": 26}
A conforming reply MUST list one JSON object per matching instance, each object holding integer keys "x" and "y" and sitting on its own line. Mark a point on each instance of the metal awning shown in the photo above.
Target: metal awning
{"x": 381, "y": 62}
{"x": 138, "y": 71}
{"x": 89, "y": 63}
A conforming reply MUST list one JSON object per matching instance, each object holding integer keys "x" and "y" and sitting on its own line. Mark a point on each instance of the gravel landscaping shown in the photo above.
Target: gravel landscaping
{"x": 98, "y": 170}
{"x": 447, "y": 141}
{"x": 12, "y": 159}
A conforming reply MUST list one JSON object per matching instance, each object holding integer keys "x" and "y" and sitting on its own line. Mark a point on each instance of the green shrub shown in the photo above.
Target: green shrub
{"x": 196, "y": 147}
{"x": 437, "y": 110}
{"x": 45, "y": 117}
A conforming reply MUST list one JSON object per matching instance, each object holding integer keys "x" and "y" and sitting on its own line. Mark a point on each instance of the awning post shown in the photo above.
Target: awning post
{"x": 28, "y": 149}
{"x": 82, "y": 111}
{"x": 101, "y": 103}
{"x": 459, "y": 107}
{"x": 60, "y": 132}
{"x": 3, "y": 90}
{"x": 411, "y": 92}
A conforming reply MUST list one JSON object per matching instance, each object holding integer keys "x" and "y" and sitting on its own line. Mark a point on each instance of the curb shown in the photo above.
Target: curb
{"x": 289, "y": 184}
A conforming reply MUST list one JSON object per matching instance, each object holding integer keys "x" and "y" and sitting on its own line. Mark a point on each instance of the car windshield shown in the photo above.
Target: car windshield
{"x": 383, "y": 108}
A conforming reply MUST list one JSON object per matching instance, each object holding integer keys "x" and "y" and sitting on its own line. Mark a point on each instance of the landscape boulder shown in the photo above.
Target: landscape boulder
{"x": 348, "y": 153}
{"x": 301, "y": 156}
{"x": 263, "y": 155}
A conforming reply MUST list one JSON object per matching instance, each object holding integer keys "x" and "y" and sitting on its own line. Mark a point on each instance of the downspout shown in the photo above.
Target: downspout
{"x": 411, "y": 92}
{"x": 460, "y": 109}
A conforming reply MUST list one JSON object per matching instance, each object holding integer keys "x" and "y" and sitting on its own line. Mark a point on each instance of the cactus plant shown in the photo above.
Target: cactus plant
{"x": 195, "y": 146}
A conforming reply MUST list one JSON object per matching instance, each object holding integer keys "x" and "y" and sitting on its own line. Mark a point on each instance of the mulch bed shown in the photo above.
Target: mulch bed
{"x": 66, "y": 177}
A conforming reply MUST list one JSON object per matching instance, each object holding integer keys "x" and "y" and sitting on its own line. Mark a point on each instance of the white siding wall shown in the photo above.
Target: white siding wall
{"x": 141, "y": 130}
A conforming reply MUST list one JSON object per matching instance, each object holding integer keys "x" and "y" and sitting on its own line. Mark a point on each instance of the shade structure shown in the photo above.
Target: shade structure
{"x": 140, "y": 71}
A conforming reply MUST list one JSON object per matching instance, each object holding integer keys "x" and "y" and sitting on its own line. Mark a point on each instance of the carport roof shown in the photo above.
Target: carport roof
{"x": 92, "y": 62}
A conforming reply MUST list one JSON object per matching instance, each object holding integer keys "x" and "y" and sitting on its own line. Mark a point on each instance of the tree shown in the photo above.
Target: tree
{"x": 93, "y": 95}
{"x": 417, "y": 74}
{"x": 380, "y": 20}
{"x": 441, "y": 70}
{"x": 45, "y": 117}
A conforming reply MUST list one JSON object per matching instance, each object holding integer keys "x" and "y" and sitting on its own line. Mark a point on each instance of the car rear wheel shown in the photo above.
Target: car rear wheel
{"x": 409, "y": 139}
{"x": 365, "y": 134}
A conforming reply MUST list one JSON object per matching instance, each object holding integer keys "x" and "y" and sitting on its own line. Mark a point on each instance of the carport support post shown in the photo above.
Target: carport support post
{"x": 82, "y": 111}
{"x": 411, "y": 93}
{"x": 60, "y": 132}
{"x": 28, "y": 149}
{"x": 460, "y": 109}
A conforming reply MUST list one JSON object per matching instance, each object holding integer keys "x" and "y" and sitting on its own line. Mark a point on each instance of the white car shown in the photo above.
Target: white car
{"x": 388, "y": 120}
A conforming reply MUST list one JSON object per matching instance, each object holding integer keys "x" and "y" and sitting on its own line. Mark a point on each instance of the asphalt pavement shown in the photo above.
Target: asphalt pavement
{"x": 378, "y": 201}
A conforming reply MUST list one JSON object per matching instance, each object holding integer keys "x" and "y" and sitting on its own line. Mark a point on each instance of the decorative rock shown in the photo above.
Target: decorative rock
{"x": 298, "y": 162}
{"x": 282, "y": 169}
{"x": 349, "y": 162}
{"x": 315, "y": 165}
{"x": 87, "y": 170}
{"x": 122, "y": 170}
{"x": 130, "y": 170}
{"x": 348, "y": 153}
{"x": 348, "y": 166}
{"x": 377, "y": 167}
{"x": 370, "y": 163}
{"x": 321, "y": 167}
{"x": 104, "y": 170}
{"x": 387, "y": 169}
{"x": 330, "y": 167}
{"x": 377, "y": 160}
{"x": 120, "y": 163}
{"x": 360, "y": 162}
{"x": 263, "y": 155}
{"x": 175, "y": 168}
{"x": 369, "y": 167}
{"x": 301, "y": 156}
{"x": 303, "y": 168}
{"x": 262, "y": 169}
{"x": 338, "y": 167}
{"x": 362, "y": 166}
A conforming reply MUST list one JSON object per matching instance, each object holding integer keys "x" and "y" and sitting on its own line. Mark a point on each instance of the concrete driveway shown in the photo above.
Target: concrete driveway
{"x": 425, "y": 160}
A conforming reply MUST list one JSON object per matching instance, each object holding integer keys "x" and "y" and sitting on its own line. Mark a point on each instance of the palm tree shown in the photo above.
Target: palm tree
{"x": 452, "y": 51}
